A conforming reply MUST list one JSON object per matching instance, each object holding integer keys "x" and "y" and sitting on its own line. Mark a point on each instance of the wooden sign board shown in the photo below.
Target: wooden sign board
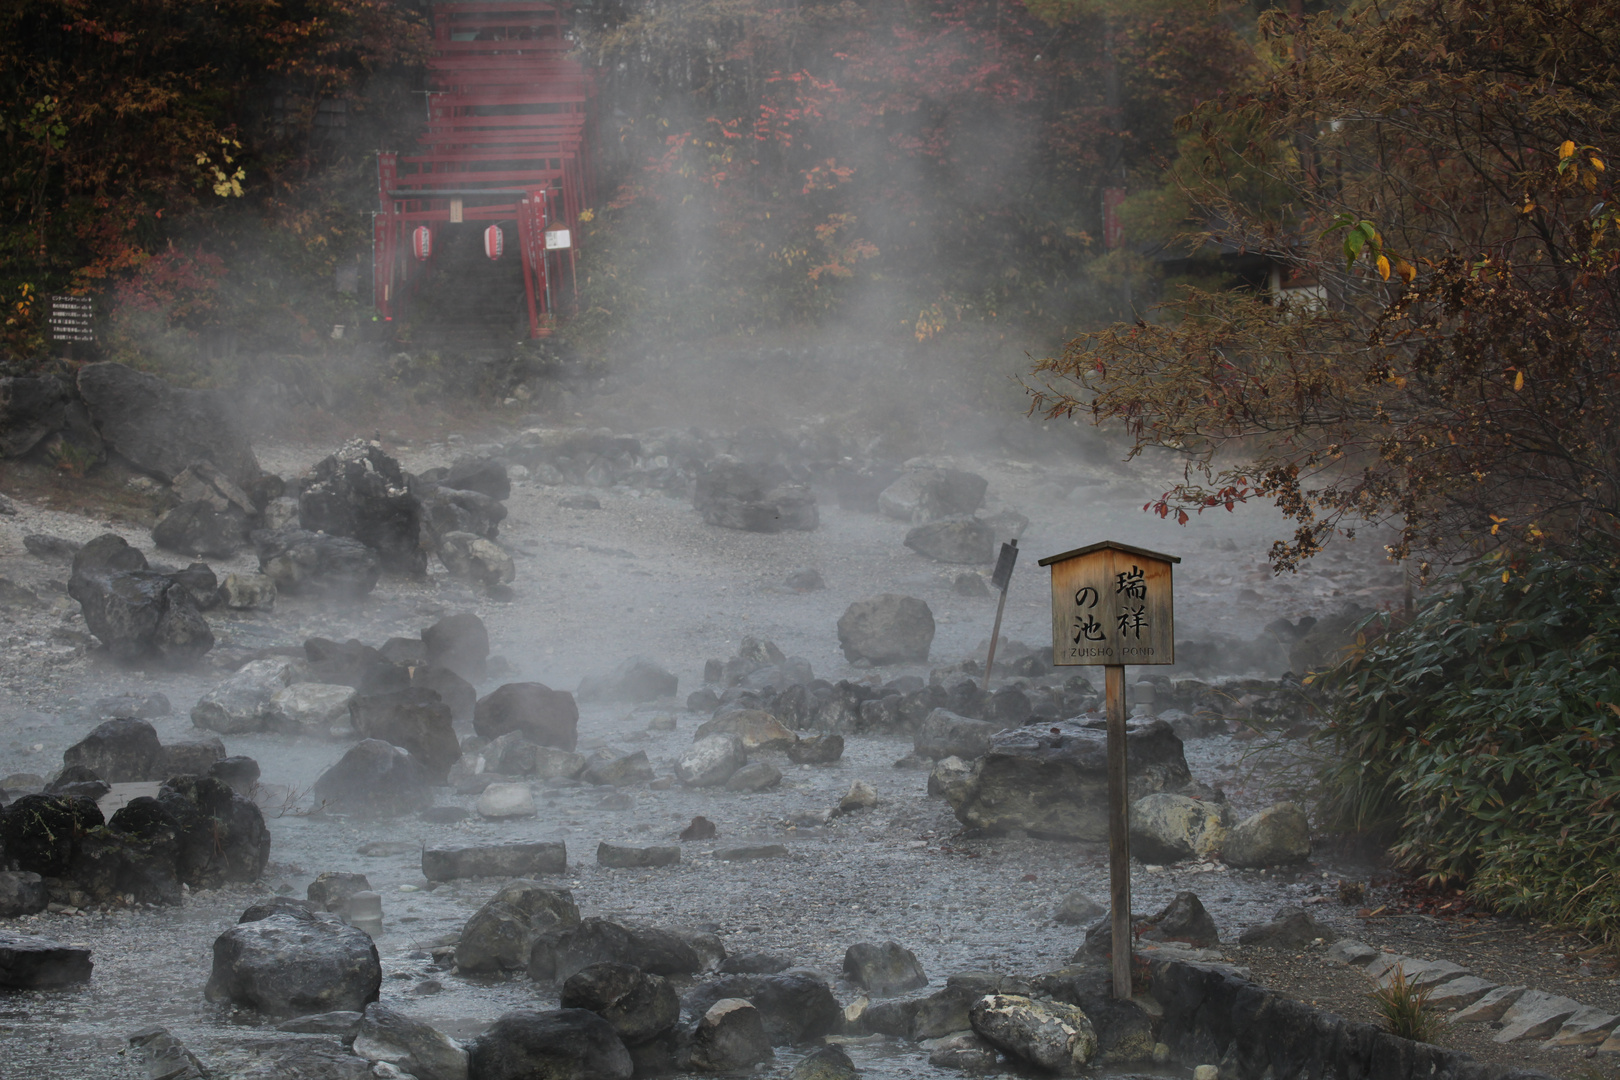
{"x": 1111, "y": 604}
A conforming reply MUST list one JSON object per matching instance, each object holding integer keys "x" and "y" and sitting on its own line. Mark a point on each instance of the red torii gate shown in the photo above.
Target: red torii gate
{"x": 505, "y": 141}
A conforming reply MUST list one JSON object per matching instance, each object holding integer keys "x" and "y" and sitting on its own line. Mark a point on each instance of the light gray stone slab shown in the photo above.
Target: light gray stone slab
{"x": 1489, "y": 1007}
{"x": 1589, "y": 1027}
{"x": 1352, "y": 953}
{"x": 1459, "y": 993}
{"x": 1536, "y": 1015}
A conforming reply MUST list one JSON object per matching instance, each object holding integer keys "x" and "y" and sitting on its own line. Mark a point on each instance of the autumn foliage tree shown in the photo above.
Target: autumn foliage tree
{"x": 903, "y": 165}
{"x": 124, "y": 126}
{"x": 1433, "y": 178}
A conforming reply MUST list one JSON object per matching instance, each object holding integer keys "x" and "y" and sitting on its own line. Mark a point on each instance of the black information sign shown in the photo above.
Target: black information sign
{"x": 70, "y": 318}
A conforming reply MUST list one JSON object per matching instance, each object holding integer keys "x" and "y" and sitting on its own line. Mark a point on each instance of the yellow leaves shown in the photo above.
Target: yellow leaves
{"x": 1405, "y": 269}
{"x": 587, "y": 216}
{"x": 1382, "y": 263}
{"x": 1518, "y": 380}
{"x": 1496, "y": 524}
{"x": 1505, "y": 574}
{"x": 1567, "y": 150}
{"x": 1596, "y": 163}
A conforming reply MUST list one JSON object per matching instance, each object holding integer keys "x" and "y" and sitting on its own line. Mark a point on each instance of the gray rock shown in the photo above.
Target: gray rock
{"x": 884, "y": 969}
{"x": 1168, "y": 828}
{"x": 141, "y": 617}
{"x": 817, "y": 750}
{"x": 567, "y": 1044}
{"x": 162, "y": 429}
{"x": 416, "y": 719}
{"x": 22, "y": 892}
{"x": 500, "y": 802}
{"x": 448, "y": 510}
{"x": 280, "y": 513}
{"x": 320, "y": 710}
{"x": 827, "y": 1063}
{"x": 1275, "y": 836}
{"x": 241, "y": 703}
{"x": 248, "y": 592}
{"x": 965, "y": 1053}
{"x": 749, "y": 852}
{"x": 304, "y": 563}
{"x": 925, "y": 494}
{"x": 163, "y": 1056}
{"x": 40, "y": 963}
{"x": 331, "y": 890}
{"x": 711, "y": 761}
{"x": 1489, "y": 1006}
{"x": 1183, "y": 919}
{"x": 376, "y": 778}
{"x": 546, "y": 716}
{"x": 200, "y": 528}
{"x": 287, "y": 965}
{"x": 638, "y": 1005}
{"x": 945, "y": 734}
{"x": 1050, "y": 1035}
{"x": 1459, "y": 993}
{"x": 1055, "y": 786}
{"x": 613, "y": 768}
{"x": 473, "y": 558}
{"x": 757, "y": 729}
{"x": 45, "y": 546}
{"x": 342, "y": 1023}
{"x": 1078, "y": 909}
{"x": 795, "y": 1007}
{"x": 755, "y": 776}
{"x": 31, "y": 408}
{"x": 635, "y": 680}
{"x": 733, "y": 495}
{"x": 417, "y": 1048}
{"x": 730, "y": 1038}
{"x": 519, "y": 860}
{"x": 502, "y": 934}
{"x": 119, "y": 751}
{"x": 1290, "y": 928}
{"x": 954, "y": 540}
{"x": 596, "y": 940}
{"x": 1535, "y": 1015}
{"x": 886, "y": 629}
{"x": 619, "y": 857}
{"x": 302, "y": 1059}
{"x": 459, "y": 642}
{"x": 361, "y": 493}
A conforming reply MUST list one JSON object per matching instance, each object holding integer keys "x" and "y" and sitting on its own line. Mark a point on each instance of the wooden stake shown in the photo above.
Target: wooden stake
{"x": 1119, "y": 840}
{"x": 995, "y": 636}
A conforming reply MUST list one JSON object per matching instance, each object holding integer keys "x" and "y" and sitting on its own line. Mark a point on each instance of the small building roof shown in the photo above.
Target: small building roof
{"x": 1116, "y": 546}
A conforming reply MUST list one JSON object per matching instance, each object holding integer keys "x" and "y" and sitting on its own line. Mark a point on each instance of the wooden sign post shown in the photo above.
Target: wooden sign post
{"x": 1111, "y": 606}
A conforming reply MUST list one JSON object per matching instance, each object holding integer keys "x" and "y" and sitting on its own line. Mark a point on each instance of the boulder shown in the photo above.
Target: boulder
{"x": 41, "y": 963}
{"x": 886, "y": 969}
{"x": 119, "y": 751}
{"x": 638, "y": 1005}
{"x": 377, "y": 778}
{"x": 730, "y": 1038}
{"x": 200, "y": 528}
{"x": 886, "y": 629}
{"x": 514, "y": 755}
{"x": 925, "y": 494}
{"x": 140, "y": 616}
{"x": 452, "y": 689}
{"x": 31, "y": 408}
{"x": 817, "y": 750}
{"x": 248, "y": 592}
{"x": 199, "y": 580}
{"x": 1167, "y": 828}
{"x": 222, "y": 835}
{"x": 1050, "y": 1035}
{"x": 415, "y": 719}
{"x": 519, "y": 860}
{"x": 409, "y": 1045}
{"x": 827, "y": 1063}
{"x": 352, "y": 663}
{"x": 501, "y": 934}
{"x": 567, "y": 1044}
{"x": 459, "y": 642}
{"x": 448, "y": 510}
{"x": 165, "y": 1057}
{"x": 860, "y": 796}
{"x": 964, "y": 1052}
{"x": 317, "y": 709}
{"x": 620, "y": 857}
{"x": 361, "y": 493}
{"x": 472, "y": 558}
{"x": 39, "y": 833}
{"x": 710, "y": 761}
{"x": 635, "y": 680}
{"x": 945, "y": 734}
{"x": 242, "y": 702}
{"x": 1277, "y": 835}
{"x": 304, "y": 563}
{"x": 22, "y": 892}
{"x": 1078, "y": 909}
{"x": 733, "y": 495}
{"x": 500, "y": 801}
{"x": 305, "y": 1059}
{"x": 795, "y": 1007}
{"x": 954, "y": 540}
{"x": 1290, "y": 928}
{"x": 280, "y": 513}
{"x": 291, "y": 964}
{"x": 161, "y": 429}
{"x": 1183, "y": 919}
{"x": 755, "y": 776}
{"x": 559, "y": 954}
{"x": 1051, "y": 780}
{"x": 202, "y": 482}
{"x": 546, "y": 716}
{"x": 239, "y": 771}
{"x": 614, "y": 768}
{"x": 757, "y": 729}
{"x": 486, "y": 475}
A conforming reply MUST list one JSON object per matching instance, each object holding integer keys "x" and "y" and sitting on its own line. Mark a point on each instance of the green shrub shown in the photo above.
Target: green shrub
{"x": 1482, "y": 738}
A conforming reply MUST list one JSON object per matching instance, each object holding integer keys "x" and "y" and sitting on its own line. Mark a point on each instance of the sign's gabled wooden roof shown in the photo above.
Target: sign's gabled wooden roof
{"x": 1107, "y": 544}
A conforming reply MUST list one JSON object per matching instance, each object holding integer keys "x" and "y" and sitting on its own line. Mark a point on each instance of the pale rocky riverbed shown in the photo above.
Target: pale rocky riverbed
{"x": 644, "y": 575}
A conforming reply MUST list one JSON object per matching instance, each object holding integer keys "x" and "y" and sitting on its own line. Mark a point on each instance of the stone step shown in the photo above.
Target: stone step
{"x": 1489, "y": 1007}
{"x": 1589, "y": 1027}
{"x": 1536, "y": 1015}
{"x": 1460, "y": 993}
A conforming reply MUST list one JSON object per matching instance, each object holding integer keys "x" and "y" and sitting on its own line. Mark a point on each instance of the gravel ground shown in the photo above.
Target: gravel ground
{"x": 643, "y": 575}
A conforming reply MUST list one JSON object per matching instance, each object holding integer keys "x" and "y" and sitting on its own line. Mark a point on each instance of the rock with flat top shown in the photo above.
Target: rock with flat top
{"x": 730, "y": 1038}
{"x": 1051, "y": 1035}
{"x": 41, "y": 963}
{"x": 293, "y": 964}
{"x": 1276, "y": 836}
